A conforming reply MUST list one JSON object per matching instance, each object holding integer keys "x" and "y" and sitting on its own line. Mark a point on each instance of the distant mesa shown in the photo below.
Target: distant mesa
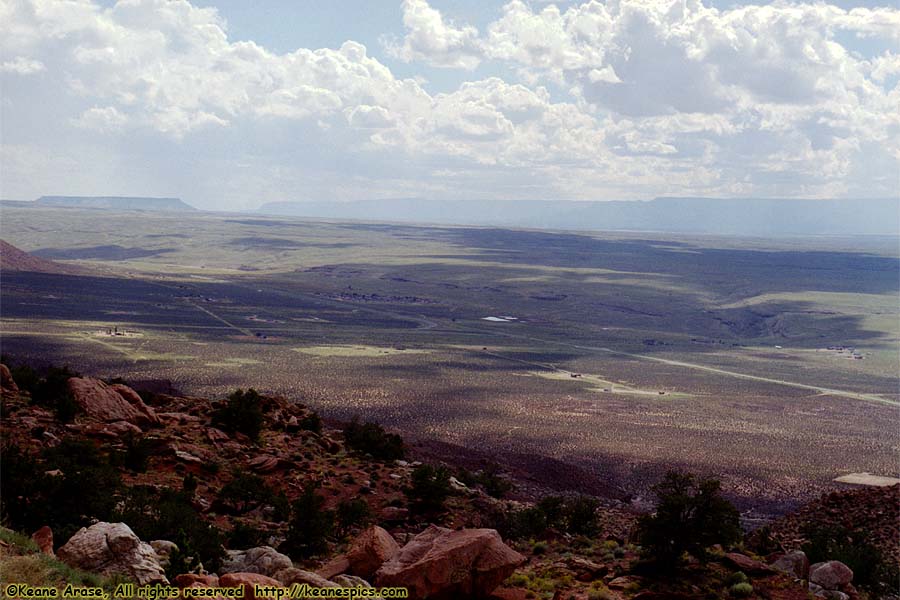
{"x": 116, "y": 203}
{"x": 14, "y": 259}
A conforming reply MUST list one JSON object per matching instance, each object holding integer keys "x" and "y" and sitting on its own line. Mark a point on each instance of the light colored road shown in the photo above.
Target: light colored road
{"x": 718, "y": 371}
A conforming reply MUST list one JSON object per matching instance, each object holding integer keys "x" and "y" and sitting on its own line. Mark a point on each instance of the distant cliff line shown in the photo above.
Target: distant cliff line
{"x": 116, "y": 202}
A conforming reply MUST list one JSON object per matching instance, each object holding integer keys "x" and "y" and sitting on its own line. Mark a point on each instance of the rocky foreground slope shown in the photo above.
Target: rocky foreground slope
{"x": 156, "y": 488}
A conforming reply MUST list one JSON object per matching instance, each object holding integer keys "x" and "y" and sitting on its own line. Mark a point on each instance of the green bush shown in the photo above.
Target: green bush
{"x": 189, "y": 485}
{"x": 245, "y": 492}
{"x": 871, "y": 571}
{"x": 310, "y": 527}
{"x": 352, "y": 513}
{"x": 430, "y": 488}
{"x": 691, "y": 515}
{"x": 581, "y": 515}
{"x": 522, "y": 524}
{"x": 50, "y": 391}
{"x": 311, "y": 422}
{"x": 371, "y": 438}
{"x": 553, "y": 508}
{"x": 26, "y": 378}
{"x": 576, "y": 516}
{"x": 281, "y": 507}
{"x": 741, "y": 590}
{"x": 85, "y": 489}
{"x": 53, "y": 385}
{"x": 242, "y": 412}
{"x": 136, "y": 456}
{"x": 165, "y": 514}
{"x": 489, "y": 479}
{"x": 734, "y": 578}
{"x": 183, "y": 559}
{"x": 243, "y": 536}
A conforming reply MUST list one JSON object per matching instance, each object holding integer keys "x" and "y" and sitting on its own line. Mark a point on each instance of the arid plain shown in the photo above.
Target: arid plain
{"x": 769, "y": 363}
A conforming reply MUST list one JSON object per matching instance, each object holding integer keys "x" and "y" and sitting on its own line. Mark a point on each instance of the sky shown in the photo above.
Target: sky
{"x": 229, "y": 104}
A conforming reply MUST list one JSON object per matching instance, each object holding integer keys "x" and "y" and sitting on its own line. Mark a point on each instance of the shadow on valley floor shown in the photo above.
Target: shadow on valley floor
{"x": 269, "y": 243}
{"x": 110, "y": 252}
{"x": 730, "y": 269}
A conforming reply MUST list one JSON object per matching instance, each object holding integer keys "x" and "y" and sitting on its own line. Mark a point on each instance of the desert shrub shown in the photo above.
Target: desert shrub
{"x": 870, "y": 569}
{"x": 242, "y": 412}
{"x": 85, "y": 488}
{"x": 521, "y": 524}
{"x": 741, "y": 590}
{"x": 539, "y": 548}
{"x": 371, "y": 438}
{"x": 182, "y": 559}
{"x": 577, "y": 516}
{"x": 167, "y": 514}
{"x": 245, "y": 492}
{"x": 310, "y": 527}
{"x": 136, "y": 455}
{"x": 25, "y": 377}
{"x": 189, "y": 485}
{"x": 352, "y": 513}
{"x": 52, "y": 385}
{"x": 430, "y": 487}
{"x": 281, "y": 507}
{"x": 763, "y": 540}
{"x": 581, "y": 515}
{"x": 737, "y": 577}
{"x": 23, "y": 490}
{"x": 690, "y": 516}
{"x": 244, "y": 535}
{"x": 50, "y": 391}
{"x": 66, "y": 408}
{"x": 311, "y": 422}
{"x": 600, "y": 593}
{"x": 553, "y": 509}
{"x": 149, "y": 398}
{"x": 489, "y": 479}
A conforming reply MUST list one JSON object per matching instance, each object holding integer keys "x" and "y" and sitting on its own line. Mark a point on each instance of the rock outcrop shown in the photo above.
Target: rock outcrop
{"x": 371, "y": 549}
{"x": 193, "y": 579}
{"x": 247, "y": 581}
{"x": 109, "y": 548}
{"x": 793, "y": 563}
{"x": 7, "y": 383}
{"x": 747, "y": 564}
{"x": 872, "y": 513}
{"x": 831, "y": 575}
{"x": 442, "y": 563}
{"x": 43, "y": 537}
{"x": 289, "y": 577}
{"x": 263, "y": 560}
{"x": 111, "y": 403}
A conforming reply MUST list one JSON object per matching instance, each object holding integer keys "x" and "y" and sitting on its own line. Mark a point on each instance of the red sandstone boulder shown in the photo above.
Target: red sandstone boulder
{"x": 371, "y": 549}
{"x": 109, "y": 548}
{"x": 7, "y": 383}
{"x": 747, "y": 564}
{"x": 831, "y": 575}
{"x": 442, "y": 563}
{"x": 263, "y": 463}
{"x": 43, "y": 537}
{"x": 247, "y": 581}
{"x": 193, "y": 579}
{"x": 111, "y": 403}
{"x": 289, "y": 577}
